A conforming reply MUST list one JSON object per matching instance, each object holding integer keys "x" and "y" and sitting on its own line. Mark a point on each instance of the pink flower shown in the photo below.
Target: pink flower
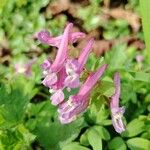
{"x": 50, "y": 80}
{"x": 46, "y": 65}
{"x": 139, "y": 58}
{"x": 62, "y": 51}
{"x": 54, "y": 72}
{"x": 44, "y": 37}
{"x": 63, "y": 72}
{"x": 57, "y": 89}
{"x": 69, "y": 110}
{"x": 24, "y": 68}
{"x": 74, "y": 67}
{"x": 51, "y": 69}
{"x": 57, "y": 97}
{"x": 116, "y": 111}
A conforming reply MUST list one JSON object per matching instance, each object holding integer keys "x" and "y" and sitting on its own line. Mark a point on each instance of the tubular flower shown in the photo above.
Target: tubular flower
{"x": 116, "y": 111}
{"x": 69, "y": 110}
{"x": 44, "y": 37}
{"x": 63, "y": 72}
{"x": 74, "y": 67}
{"x": 62, "y": 51}
{"x": 51, "y": 70}
{"x": 57, "y": 95}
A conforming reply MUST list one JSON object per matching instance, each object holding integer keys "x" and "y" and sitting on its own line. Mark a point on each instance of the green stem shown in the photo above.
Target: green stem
{"x": 145, "y": 12}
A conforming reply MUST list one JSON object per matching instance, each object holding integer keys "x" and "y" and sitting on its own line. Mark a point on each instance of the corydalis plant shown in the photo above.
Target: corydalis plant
{"x": 64, "y": 73}
{"x": 54, "y": 77}
{"x": 116, "y": 111}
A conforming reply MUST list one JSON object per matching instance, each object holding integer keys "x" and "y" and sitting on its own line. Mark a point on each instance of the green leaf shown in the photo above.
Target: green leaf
{"x": 134, "y": 128}
{"x": 74, "y": 146}
{"x": 17, "y": 138}
{"x": 117, "y": 143}
{"x": 146, "y": 135}
{"x": 97, "y": 113}
{"x": 40, "y": 112}
{"x": 21, "y": 3}
{"x": 41, "y": 109}
{"x": 103, "y": 133}
{"x": 95, "y": 107}
{"x": 27, "y": 136}
{"x": 106, "y": 88}
{"x": 141, "y": 76}
{"x": 138, "y": 144}
{"x": 102, "y": 116}
{"x": 13, "y": 104}
{"x": 55, "y": 135}
{"x": 94, "y": 139}
{"x": 84, "y": 138}
{"x": 91, "y": 62}
{"x": 117, "y": 57}
{"x": 145, "y": 7}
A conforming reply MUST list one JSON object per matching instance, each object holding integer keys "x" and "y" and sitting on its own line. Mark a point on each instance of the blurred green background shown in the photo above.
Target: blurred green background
{"x": 27, "y": 118}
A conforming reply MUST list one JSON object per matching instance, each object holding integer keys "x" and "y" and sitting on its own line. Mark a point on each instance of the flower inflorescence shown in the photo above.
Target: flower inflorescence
{"x": 64, "y": 73}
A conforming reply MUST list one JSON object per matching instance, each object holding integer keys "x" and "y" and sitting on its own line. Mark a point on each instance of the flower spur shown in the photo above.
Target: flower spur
{"x": 116, "y": 111}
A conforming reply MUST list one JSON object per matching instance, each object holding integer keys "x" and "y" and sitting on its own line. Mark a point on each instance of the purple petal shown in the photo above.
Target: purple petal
{"x": 91, "y": 81}
{"x": 115, "y": 97}
{"x": 50, "y": 79}
{"x": 57, "y": 97}
{"x": 84, "y": 55}
{"x": 117, "y": 115}
{"x": 46, "y": 65}
{"x": 62, "y": 51}
{"x": 69, "y": 110}
{"x": 64, "y": 120}
{"x": 116, "y": 111}
{"x": 44, "y": 37}
{"x": 61, "y": 79}
{"x": 73, "y": 37}
{"x": 72, "y": 66}
{"x": 76, "y": 35}
{"x": 72, "y": 81}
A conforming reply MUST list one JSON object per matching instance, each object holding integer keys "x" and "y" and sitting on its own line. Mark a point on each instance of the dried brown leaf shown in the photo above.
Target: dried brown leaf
{"x": 58, "y": 6}
{"x": 119, "y": 13}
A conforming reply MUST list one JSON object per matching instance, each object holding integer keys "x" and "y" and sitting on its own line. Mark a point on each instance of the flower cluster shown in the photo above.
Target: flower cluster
{"x": 64, "y": 73}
